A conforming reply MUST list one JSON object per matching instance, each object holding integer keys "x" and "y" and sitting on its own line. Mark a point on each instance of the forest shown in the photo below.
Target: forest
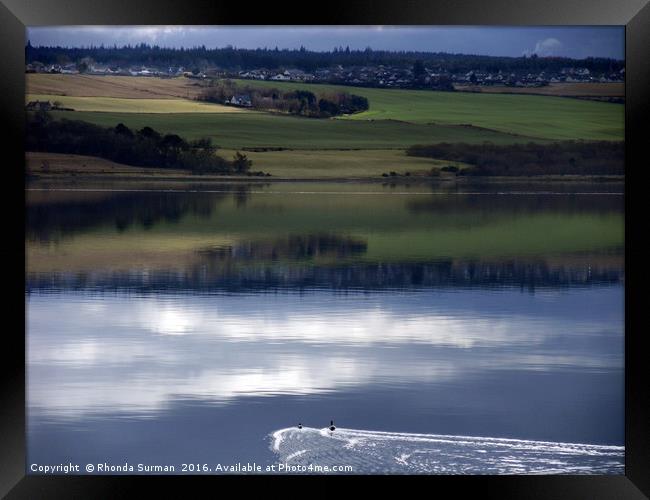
{"x": 307, "y": 60}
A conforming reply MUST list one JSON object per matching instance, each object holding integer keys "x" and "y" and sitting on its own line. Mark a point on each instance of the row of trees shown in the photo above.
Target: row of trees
{"x": 145, "y": 147}
{"x": 559, "y": 158}
{"x": 245, "y": 59}
{"x": 298, "y": 102}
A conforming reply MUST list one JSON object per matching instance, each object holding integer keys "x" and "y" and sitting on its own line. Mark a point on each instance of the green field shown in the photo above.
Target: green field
{"x": 238, "y": 130}
{"x": 547, "y": 117}
{"x": 338, "y": 164}
{"x": 538, "y": 116}
{"x": 361, "y": 145}
{"x": 532, "y": 116}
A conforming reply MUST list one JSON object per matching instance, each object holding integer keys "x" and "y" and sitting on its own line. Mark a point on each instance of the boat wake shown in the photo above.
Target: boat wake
{"x": 373, "y": 452}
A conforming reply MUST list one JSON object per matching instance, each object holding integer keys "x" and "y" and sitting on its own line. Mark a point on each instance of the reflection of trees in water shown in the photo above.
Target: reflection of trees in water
{"x": 493, "y": 204}
{"x": 242, "y": 194}
{"x": 293, "y": 247}
{"x": 51, "y": 221}
{"x": 212, "y": 274}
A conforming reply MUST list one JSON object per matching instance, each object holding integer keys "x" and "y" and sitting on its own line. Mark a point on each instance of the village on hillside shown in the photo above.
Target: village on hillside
{"x": 383, "y": 76}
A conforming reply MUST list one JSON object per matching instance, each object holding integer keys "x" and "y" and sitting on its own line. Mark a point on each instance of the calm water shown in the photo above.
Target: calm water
{"x": 170, "y": 326}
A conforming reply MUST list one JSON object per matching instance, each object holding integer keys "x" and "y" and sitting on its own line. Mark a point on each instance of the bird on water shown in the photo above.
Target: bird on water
{"x": 332, "y": 427}
{"x": 299, "y": 426}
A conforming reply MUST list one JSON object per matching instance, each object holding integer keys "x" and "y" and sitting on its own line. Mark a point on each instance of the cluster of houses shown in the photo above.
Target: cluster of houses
{"x": 38, "y": 67}
{"x": 102, "y": 69}
{"x": 288, "y": 75}
{"x": 521, "y": 79}
{"x": 369, "y": 76}
{"x": 243, "y": 100}
{"x": 386, "y": 76}
{"x": 39, "y": 106}
{"x": 46, "y": 106}
{"x": 364, "y": 75}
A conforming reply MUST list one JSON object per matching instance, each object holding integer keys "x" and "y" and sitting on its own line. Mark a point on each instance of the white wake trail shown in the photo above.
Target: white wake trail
{"x": 376, "y": 452}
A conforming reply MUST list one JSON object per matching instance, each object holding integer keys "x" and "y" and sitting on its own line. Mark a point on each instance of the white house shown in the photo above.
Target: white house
{"x": 240, "y": 100}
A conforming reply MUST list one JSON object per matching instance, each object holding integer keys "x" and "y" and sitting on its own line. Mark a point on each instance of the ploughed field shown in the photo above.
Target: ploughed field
{"x": 133, "y": 105}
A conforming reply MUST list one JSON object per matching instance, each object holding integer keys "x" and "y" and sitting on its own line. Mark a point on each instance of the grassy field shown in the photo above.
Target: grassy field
{"x": 532, "y": 115}
{"x": 362, "y": 145}
{"x": 338, "y": 164}
{"x": 252, "y": 129}
{"x": 58, "y": 164}
{"x": 124, "y": 105}
{"x": 295, "y": 164}
{"x": 572, "y": 89}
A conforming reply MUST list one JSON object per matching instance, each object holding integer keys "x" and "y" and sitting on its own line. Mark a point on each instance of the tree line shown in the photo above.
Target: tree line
{"x": 273, "y": 58}
{"x": 559, "y": 158}
{"x": 143, "y": 148}
{"x": 298, "y": 102}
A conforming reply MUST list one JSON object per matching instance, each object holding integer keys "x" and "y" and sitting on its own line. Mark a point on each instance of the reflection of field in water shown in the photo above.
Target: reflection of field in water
{"x": 76, "y": 230}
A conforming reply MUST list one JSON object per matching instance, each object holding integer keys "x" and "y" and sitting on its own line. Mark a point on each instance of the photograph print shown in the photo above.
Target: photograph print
{"x": 325, "y": 250}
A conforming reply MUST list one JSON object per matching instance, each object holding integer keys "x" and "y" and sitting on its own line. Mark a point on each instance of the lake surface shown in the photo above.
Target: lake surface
{"x": 191, "y": 324}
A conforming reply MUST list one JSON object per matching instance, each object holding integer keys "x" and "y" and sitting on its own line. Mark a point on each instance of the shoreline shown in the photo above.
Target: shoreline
{"x": 76, "y": 169}
{"x": 381, "y": 180}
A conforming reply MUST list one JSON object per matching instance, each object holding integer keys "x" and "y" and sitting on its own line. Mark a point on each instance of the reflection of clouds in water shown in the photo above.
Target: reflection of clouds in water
{"x": 149, "y": 390}
{"x": 349, "y": 326}
{"x": 136, "y": 354}
{"x": 343, "y": 320}
{"x": 169, "y": 320}
{"x": 146, "y": 379}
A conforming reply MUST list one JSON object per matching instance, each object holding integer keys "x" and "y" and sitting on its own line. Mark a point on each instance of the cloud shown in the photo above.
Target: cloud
{"x": 137, "y": 34}
{"x": 548, "y": 47}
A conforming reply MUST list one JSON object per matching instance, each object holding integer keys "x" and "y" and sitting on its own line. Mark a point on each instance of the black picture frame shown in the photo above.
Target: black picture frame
{"x": 15, "y": 15}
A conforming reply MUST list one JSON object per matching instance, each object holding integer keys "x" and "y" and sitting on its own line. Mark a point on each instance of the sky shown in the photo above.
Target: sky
{"x": 566, "y": 41}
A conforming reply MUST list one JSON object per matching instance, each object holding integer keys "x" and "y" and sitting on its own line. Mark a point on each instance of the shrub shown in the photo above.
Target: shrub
{"x": 559, "y": 158}
{"x": 145, "y": 147}
{"x": 298, "y": 102}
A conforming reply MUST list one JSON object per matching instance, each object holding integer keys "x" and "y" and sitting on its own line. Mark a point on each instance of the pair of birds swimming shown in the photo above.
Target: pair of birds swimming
{"x": 332, "y": 427}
